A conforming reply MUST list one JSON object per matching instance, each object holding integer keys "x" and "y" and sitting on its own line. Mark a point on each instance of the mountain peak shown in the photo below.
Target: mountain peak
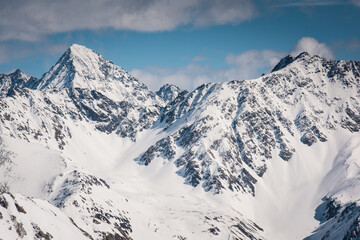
{"x": 19, "y": 74}
{"x": 304, "y": 55}
{"x": 169, "y": 92}
{"x": 78, "y": 47}
{"x": 17, "y": 71}
{"x": 82, "y": 52}
{"x": 16, "y": 80}
{"x": 78, "y": 67}
{"x": 82, "y": 68}
{"x": 284, "y": 62}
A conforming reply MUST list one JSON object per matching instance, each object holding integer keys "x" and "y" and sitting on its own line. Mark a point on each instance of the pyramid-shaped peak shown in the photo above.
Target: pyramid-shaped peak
{"x": 82, "y": 68}
{"x": 80, "y": 52}
{"x": 79, "y": 66}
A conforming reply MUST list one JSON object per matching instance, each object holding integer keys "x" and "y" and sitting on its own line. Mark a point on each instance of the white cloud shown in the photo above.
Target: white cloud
{"x": 313, "y": 47}
{"x": 247, "y": 65}
{"x": 356, "y": 2}
{"x": 186, "y": 77}
{"x": 254, "y": 62}
{"x": 30, "y": 20}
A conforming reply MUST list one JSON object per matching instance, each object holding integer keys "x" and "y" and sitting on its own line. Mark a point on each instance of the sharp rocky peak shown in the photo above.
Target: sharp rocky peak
{"x": 83, "y": 68}
{"x": 283, "y": 63}
{"x": 311, "y": 68}
{"x": 15, "y": 80}
{"x": 18, "y": 73}
{"x": 169, "y": 92}
{"x": 286, "y": 61}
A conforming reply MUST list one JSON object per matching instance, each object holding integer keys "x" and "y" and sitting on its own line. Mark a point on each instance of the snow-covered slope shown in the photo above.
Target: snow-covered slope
{"x": 29, "y": 218}
{"x": 225, "y": 129}
{"x": 235, "y": 160}
{"x": 275, "y": 137}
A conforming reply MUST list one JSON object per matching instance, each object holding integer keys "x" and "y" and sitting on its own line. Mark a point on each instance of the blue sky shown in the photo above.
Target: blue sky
{"x": 185, "y": 43}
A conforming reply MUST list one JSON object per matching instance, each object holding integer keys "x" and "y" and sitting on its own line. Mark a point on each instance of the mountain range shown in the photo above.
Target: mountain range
{"x": 89, "y": 152}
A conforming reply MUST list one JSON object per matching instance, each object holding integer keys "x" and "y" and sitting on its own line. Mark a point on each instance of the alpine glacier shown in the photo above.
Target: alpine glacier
{"x": 89, "y": 152}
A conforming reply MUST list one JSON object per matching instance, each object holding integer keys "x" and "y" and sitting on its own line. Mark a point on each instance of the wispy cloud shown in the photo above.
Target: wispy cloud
{"x": 247, "y": 65}
{"x": 351, "y": 45}
{"x": 31, "y": 20}
{"x": 356, "y": 2}
{"x": 185, "y": 77}
{"x": 8, "y": 53}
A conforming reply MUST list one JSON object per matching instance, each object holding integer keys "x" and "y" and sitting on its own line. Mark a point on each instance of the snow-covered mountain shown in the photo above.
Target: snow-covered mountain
{"x": 92, "y": 148}
{"x": 169, "y": 92}
{"x": 16, "y": 80}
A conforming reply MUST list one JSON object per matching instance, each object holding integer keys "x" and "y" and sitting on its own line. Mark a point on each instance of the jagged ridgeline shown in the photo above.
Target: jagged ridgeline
{"x": 92, "y": 148}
